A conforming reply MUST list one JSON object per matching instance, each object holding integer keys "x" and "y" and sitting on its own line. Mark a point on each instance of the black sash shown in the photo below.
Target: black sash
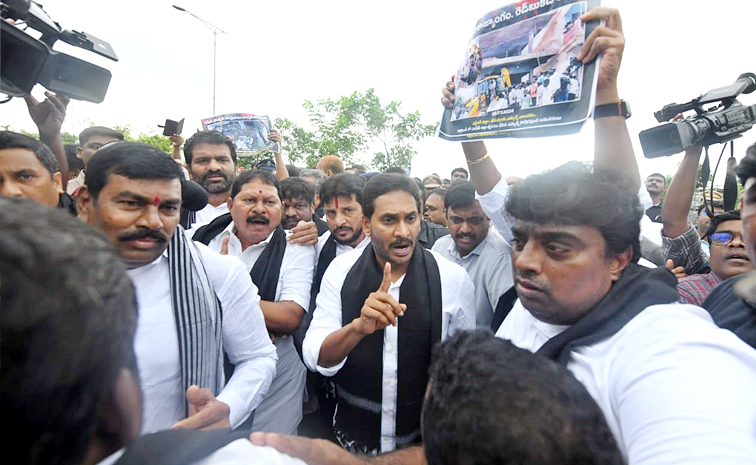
{"x": 177, "y": 446}
{"x": 360, "y": 380}
{"x": 503, "y": 306}
{"x": 267, "y": 268}
{"x": 637, "y": 288}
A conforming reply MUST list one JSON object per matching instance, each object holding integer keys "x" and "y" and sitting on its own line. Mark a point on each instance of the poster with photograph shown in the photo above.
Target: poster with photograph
{"x": 520, "y": 77}
{"x": 249, "y": 132}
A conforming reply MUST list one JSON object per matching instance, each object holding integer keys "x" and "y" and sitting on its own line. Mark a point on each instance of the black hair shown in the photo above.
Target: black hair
{"x": 264, "y": 176}
{"x": 14, "y": 140}
{"x": 467, "y": 175}
{"x": 491, "y": 403}
{"x": 658, "y": 175}
{"x": 293, "y": 171}
{"x": 732, "y": 215}
{"x": 716, "y": 204}
{"x": 297, "y": 189}
{"x": 67, "y": 329}
{"x": 395, "y": 169}
{"x": 90, "y": 132}
{"x": 421, "y": 189}
{"x": 75, "y": 164}
{"x": 383, "y": 184}
{"x": 747, "y": 167}
{"x": 358, "y": 168}
{"x": 342, "y": 185}
{"x": 133, "y": 160}
{"x": 573, "y": 194}
{"x": 207, "y": 137}
{"x": 439, "y": 191}
{"x": 459, "y": 195}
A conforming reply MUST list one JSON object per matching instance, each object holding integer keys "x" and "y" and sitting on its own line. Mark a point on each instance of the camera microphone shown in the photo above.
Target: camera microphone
{"x": 193, "y": 196}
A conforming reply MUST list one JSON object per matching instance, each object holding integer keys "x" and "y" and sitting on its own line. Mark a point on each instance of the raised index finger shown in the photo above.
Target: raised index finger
{"x": 386, "y": 278}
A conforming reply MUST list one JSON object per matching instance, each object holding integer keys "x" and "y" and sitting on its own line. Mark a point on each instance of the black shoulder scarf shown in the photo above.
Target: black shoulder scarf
{"x": 267, "y": 268}
{"x": 637, "y": 288}
{"x": 177, "y": 446}
{"x": 360, "y": 381}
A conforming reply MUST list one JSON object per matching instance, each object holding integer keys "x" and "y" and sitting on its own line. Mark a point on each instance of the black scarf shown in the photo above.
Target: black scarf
{"x": 360, "y": 380}
{"x": 637, "y": 288}
{"x": 267, "y": 268}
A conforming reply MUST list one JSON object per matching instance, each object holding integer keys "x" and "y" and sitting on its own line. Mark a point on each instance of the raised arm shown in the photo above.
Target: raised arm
{"x": 281, "y": 171}
{"x": 679, "y": 196}
{"x": 613, "y": 148}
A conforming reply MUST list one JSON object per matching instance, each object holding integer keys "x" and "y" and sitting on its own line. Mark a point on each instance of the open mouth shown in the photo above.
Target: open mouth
{"x": 402, "y": 250}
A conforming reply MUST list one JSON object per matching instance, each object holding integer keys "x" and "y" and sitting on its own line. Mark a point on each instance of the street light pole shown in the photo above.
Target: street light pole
{"x": 215, "y": 30}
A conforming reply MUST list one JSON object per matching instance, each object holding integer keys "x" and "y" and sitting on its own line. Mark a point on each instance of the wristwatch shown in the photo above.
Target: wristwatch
{"x": 621, "y": 108}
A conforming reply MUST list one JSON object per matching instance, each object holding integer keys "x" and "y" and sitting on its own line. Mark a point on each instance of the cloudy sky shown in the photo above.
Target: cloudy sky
{"x": 277, "y": 54}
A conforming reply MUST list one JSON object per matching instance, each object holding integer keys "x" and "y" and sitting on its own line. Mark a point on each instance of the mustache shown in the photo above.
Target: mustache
{"x": 343, "y": 228}
{"x": 401, "y": 242}
{"x": 143, "y": 234}
{"x": 253, "y": 218}
{"x": 461, "y": 235}
{"x": 214, "y": 173}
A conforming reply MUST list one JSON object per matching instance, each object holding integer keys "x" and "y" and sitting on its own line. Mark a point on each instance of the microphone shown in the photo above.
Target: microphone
{"x": 193, "y": 196}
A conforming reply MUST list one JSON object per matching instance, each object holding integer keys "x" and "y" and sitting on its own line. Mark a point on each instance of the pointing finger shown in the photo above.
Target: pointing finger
{"x": 386, "y": 278}
{"x": 224, "y": 246}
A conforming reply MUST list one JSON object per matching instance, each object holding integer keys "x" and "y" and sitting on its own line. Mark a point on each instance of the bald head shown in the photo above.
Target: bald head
{"x": 331, "y": 165}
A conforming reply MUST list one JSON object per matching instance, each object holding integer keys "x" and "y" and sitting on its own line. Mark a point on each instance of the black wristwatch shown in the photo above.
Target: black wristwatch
{"x": 621, "y": 108}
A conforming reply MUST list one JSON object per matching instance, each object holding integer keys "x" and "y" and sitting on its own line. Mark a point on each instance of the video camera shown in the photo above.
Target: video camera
{"x": 722, "y": 123}
{"x": 26, "y": 61}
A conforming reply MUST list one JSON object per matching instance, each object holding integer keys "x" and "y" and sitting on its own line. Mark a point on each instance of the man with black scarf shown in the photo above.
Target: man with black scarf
{"x": 377, "y": 345}
{"x": 282, "y": 272}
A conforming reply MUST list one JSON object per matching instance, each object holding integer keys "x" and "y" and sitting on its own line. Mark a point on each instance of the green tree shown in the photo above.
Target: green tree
{"x": 350, "y": 126}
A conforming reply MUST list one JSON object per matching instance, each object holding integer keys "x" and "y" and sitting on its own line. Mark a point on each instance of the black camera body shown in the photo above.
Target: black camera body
{"x": 26, "y": 61}
{"x": 723, "y": 123}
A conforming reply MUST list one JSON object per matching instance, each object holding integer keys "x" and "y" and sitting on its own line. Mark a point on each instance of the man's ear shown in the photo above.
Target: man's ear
{"x": 84, "y": 204}
{"x": 619, "y": 262}
{"x": 366, "y": 225}
{"x": 230, "y": 202}
{"x": 78, "y": 153}
{"x": 57, "y": 179}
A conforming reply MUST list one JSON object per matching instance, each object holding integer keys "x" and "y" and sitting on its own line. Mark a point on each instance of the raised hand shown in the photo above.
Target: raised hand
{"x": 380, "y": 308}
{"x": 49, "y": 114}
{"x": 607, "y": 40}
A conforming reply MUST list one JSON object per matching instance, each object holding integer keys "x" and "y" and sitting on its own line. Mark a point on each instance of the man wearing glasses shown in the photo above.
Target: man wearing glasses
{"x": 483, "y": 253}
{"x": 727, "y": 258}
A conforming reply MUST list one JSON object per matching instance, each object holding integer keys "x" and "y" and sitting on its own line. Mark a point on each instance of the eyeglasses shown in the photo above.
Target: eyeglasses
{"x": 473, "y": 221}
{"x": 721, "y": 238}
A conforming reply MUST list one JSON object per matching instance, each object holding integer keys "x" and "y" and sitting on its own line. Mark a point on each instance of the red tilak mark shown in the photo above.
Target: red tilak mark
{"x": 337, "y": 202}
{"x": 260, "y": 192}
{"x": 156, "y": 201}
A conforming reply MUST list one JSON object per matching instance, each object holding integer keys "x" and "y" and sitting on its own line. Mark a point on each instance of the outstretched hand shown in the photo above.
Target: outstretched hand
{"x": 678, "y": 271}
{"x": 205, "y": 411}
{"x": 305, "y": 233}
{"x": 311, "y": 451}
{"x": 380, "y": 308}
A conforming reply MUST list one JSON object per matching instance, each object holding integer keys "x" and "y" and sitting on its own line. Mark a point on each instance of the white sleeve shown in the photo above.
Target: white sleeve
{"x": 493, "y": 204}
{"x": 458, "y": 304}
{"x": 295, "y": 278}
{"x": 326, "y": 319}
{"x": 245, "y": 340}
{"x": 686, "y": 399}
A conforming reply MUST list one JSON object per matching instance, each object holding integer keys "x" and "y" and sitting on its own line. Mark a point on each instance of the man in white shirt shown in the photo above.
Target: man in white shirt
{"x": 194, "y": 303}
{"x": 211, "y": 158}
{"x": 360, "y": 336}
{"x": 651, "y": 364}
{"x": 70, "y": 384}
{"x": 282, "y": 272}
{"x": 484, "y": 254}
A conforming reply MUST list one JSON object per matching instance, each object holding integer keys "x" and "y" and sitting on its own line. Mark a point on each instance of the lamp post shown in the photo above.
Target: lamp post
{"x": 215, "y": 30}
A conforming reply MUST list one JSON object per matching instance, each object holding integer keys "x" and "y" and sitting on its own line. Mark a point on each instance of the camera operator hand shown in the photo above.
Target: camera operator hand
{"x": 48, "y": 115}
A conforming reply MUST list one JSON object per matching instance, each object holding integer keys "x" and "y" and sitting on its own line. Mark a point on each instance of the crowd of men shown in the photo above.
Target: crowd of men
{"x": 174, "y": 309}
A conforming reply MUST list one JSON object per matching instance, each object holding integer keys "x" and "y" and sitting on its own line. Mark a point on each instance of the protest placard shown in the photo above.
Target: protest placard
{"x": 249, "y": 132}
{"x": 520, "y": 76}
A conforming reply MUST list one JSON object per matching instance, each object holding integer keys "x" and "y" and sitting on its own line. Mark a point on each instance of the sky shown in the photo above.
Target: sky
{"x": 276, "y": 55}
